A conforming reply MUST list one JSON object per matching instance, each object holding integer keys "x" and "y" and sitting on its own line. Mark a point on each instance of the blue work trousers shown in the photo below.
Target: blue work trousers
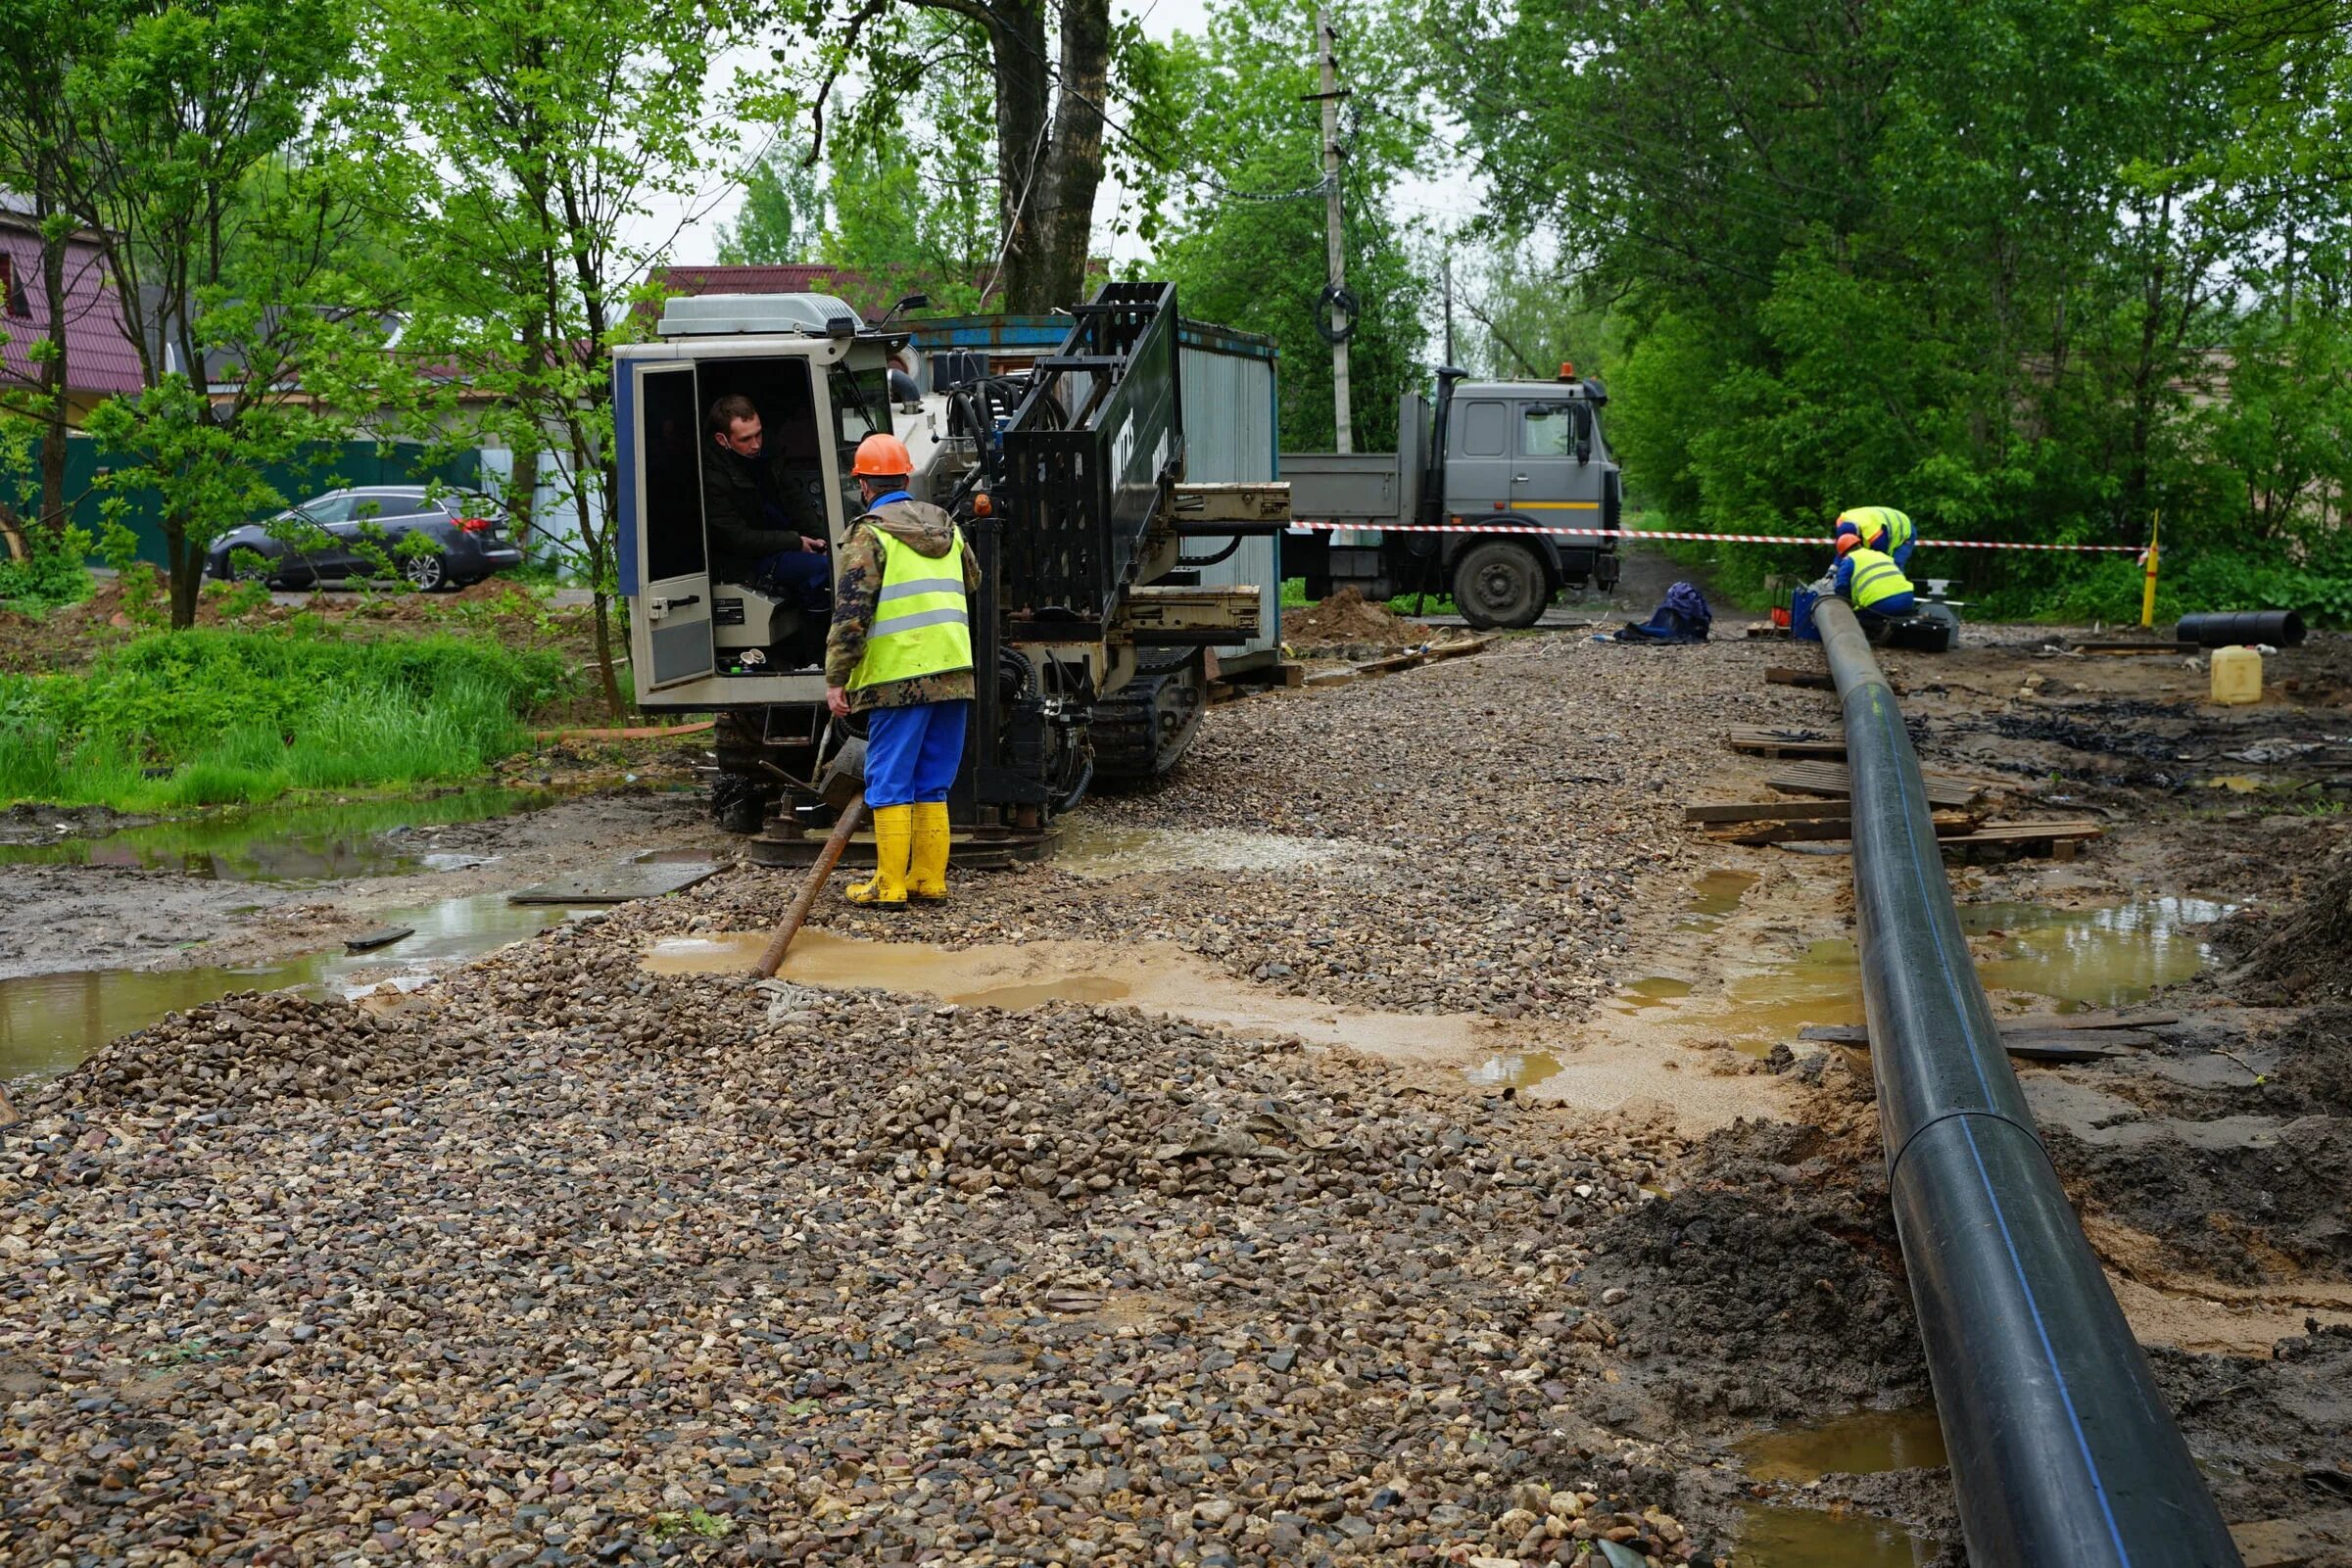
{"x": 803, "y": 575}
{"x": 913, "y": 753}
{"x": 1901, "y": 554}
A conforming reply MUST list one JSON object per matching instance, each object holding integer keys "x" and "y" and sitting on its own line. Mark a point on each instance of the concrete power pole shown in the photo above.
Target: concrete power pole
{"x": 1326, "y": 53}
{"x": 1445, "y": 261}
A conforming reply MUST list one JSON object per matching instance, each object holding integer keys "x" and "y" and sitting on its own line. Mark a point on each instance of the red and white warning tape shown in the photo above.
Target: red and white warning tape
{"x": 1726, "y": 539}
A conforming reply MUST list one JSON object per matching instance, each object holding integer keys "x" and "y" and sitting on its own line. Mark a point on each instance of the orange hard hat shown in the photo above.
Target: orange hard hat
{"x": 1847, "y": 541}
{"x": 883, "y": 457}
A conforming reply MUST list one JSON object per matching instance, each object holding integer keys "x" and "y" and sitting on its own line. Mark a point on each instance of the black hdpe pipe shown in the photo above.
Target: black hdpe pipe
{"x": 2062, "y": 1449}
{"x": 2280, "y": 628}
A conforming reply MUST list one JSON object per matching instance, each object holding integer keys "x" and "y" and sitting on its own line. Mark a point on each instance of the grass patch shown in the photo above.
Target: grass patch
{"x": 213, "y": 717}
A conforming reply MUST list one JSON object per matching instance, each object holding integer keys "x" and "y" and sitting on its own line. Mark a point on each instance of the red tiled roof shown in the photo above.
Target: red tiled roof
{"x": 100, "y": 357}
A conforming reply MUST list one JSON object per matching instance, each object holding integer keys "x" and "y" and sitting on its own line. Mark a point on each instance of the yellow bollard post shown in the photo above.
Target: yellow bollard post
{"x": 2148, "y": 587}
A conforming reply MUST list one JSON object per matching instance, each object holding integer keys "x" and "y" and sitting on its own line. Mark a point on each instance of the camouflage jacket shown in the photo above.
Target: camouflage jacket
{"x": 857, "y": 584}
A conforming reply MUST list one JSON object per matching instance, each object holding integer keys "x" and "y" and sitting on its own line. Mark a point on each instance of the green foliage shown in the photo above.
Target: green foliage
{"x": 1260, "y": 264}
{"x": 53, "y": 575}
{"x": 2030, "y": 270}
{"x": 782, "y": 220}
{"x": 204, "y": 717}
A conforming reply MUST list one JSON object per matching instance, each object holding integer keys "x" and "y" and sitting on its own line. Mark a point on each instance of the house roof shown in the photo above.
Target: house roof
{"x": 100, "y": 357}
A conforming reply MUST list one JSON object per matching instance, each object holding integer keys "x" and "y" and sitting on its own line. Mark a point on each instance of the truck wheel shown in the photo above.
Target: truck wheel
{"x": 1498, "y": 583}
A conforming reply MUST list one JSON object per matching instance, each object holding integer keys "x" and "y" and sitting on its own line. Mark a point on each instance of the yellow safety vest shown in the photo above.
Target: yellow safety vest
{"x": 1882, "y": 528}
{"x": 922, "y": 624}
{"x": 1874, "y": 577}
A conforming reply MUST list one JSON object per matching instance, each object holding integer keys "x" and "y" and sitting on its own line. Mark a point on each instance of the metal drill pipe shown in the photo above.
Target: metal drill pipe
{"x": 2062, "y": 1448}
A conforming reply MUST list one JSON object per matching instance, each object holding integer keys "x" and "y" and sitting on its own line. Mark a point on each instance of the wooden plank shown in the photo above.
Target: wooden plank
{"x": 2088, "y": 1020}
{"x": 2010, "y": 833}
{"x": 1782, "y": 675}
{"x": 381, "y": 936}
{"x": 1949, "y": 824}
{"x": 2135, "y": 645}
{"x": 620, "y": 883}
{"x": 1764, "y": 746}
{"x": 1943, "y": 790}
{"x": 2036, "y": 1045}
{"x": 1766, "y": 810}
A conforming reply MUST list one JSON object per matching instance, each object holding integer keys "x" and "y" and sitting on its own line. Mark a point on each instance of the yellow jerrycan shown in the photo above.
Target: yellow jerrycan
{"x": 2236, "y": 674}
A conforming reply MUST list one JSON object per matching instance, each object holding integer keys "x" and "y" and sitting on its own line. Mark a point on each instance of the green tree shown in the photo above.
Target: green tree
{"x": 546, "y": 127}
{"x": 254, "y": 318}
{"x": 783, "y": 216}
{"x": 1247, "y": 246}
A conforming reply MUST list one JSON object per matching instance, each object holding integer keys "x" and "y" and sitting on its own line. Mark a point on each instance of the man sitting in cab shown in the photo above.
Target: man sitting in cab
{"x": 754, "y": 527}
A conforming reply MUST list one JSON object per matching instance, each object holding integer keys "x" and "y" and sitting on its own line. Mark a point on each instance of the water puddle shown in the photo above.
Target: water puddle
{"x": 1175, "y": 983}
{"x": 1712, "y": 899}
{"x": 320, "y": 842}
{"x": 1863, "y": 1442}
{"x": 1521, "y": 1069}
{"x": 1659, "y": 990}
{"x": 1805, "y": 1538}
{"x": 50, "y": 1022}
{"x": 1100, "y": 852}
{"x": 2084, "y": 958}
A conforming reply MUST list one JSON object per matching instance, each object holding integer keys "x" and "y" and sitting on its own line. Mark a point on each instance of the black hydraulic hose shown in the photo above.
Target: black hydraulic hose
{"x": 2062, "y": 1449}
{"x": 2280, "y": 628}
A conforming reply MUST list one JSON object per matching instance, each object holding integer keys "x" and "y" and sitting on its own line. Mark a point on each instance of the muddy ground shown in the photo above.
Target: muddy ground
{"x": 1390, "y": 1097}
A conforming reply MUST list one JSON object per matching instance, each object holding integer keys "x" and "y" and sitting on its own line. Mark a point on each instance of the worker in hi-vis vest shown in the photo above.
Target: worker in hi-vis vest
{"x": 1879, "y": 528}
{"x": 900, "y": 652}
{"x": 1871, "y": 581}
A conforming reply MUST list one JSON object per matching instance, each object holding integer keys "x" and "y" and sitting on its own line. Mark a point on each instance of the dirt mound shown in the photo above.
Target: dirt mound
{"x": 2272, "y": 1436}
{"x": 2301, "y": 952}
{"x": 2230, "y": 1208}
{"x": 1771, "y": 1286}
{"x": 1347, "y": 619}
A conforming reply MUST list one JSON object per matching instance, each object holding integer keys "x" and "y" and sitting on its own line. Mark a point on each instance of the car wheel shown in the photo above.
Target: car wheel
{"x": 1498, "y": 583}
{"x": 426, "y": 573}
{"x": 247, "y": 571}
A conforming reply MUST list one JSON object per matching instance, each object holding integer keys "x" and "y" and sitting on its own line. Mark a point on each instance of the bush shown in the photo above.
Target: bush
{"x": 49, "y": 578}
{"x": 207, "y": 716}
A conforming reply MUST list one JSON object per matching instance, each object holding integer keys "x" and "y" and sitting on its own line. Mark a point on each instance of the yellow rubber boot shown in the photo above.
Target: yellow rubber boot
{"x": 894, "y": 838}
{"x": 927, "y": 864}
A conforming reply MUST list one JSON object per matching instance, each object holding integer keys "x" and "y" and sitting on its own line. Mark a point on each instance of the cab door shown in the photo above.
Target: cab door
{"x": 1553, "y": 478}
{"x": 662, "y": 498}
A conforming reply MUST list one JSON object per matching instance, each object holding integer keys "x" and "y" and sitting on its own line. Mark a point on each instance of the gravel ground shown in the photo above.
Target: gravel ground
{"x": 1509, "y": 807}
{"x": 590, "y": 1264}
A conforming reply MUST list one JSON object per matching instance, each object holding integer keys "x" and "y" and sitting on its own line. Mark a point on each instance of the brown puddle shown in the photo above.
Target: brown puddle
{"x": 2107, "y": 956}
{"x": 1098, "y": 850}
{"x": 1659, "y": 990}
{"x": 1172, "y": 981}
{"x": 1863, "y": 1442}
{"x": 1804, "y": 1537}
{"x": 1714, "y": 896}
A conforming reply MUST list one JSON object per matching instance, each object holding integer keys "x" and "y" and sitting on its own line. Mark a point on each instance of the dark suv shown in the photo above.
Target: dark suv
{"x": 339, "y": 536}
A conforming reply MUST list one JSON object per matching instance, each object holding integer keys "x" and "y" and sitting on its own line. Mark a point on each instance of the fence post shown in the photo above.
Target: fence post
{"x": 2147, "y": 586}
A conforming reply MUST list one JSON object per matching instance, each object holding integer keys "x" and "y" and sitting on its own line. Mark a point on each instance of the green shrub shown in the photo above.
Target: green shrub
{"x": 50, "y": 577}
{"x": 206, "y": 717}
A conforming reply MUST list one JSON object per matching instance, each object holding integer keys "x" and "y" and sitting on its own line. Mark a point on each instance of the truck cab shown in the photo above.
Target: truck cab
{"x": 1502, "y": 498}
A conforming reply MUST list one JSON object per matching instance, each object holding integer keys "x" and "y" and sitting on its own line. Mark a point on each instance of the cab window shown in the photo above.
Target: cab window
{"x": 1484, "y": 428}
{"x": 1545, "y": 430}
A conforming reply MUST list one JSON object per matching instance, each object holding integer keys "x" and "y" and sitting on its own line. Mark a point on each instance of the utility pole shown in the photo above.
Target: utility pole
{"x": 1445, "y": 260}
{"x": 1326, "y": 50}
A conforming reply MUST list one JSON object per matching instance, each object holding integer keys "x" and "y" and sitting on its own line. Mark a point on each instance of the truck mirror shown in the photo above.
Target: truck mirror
{"x": 1583, "y": 418}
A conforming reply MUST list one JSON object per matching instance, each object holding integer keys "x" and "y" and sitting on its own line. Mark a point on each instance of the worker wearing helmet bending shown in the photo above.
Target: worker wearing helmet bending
{"x": 1871, "y": 581}
{"x": 1879, "y": 528}
{"x": 900, "y": 652}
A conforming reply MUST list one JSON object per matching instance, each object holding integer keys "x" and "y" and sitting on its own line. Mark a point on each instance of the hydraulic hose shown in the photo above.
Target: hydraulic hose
{"x": 2062, "y": 1449}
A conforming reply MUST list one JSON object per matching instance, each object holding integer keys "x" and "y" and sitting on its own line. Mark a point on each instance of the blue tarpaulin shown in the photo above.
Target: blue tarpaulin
{"x": 1682, "y": 617}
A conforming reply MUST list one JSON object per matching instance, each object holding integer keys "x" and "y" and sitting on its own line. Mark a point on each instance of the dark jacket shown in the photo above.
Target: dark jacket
{"x": 748, "y": 512}
{"x": 858, "y": 587}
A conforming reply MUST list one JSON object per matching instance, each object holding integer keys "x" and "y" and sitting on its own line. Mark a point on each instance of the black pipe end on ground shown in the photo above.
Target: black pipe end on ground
{"x": 2280, "y": 628}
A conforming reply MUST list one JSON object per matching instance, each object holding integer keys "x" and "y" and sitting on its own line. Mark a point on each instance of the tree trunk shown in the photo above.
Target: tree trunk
{"x": 54, "y": 380}
{"x": 183, "y": 555}
{"x": 1017, "y": 37}
{"x": 1074, "y": 166}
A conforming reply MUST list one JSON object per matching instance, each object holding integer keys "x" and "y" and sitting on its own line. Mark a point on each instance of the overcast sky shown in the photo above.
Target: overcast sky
{"x": 690, "y": 228}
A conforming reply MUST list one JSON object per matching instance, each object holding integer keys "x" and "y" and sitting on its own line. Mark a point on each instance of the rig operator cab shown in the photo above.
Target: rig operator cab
{"x": 1503, "y": 497}
{"x": 1066, "y": 482}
